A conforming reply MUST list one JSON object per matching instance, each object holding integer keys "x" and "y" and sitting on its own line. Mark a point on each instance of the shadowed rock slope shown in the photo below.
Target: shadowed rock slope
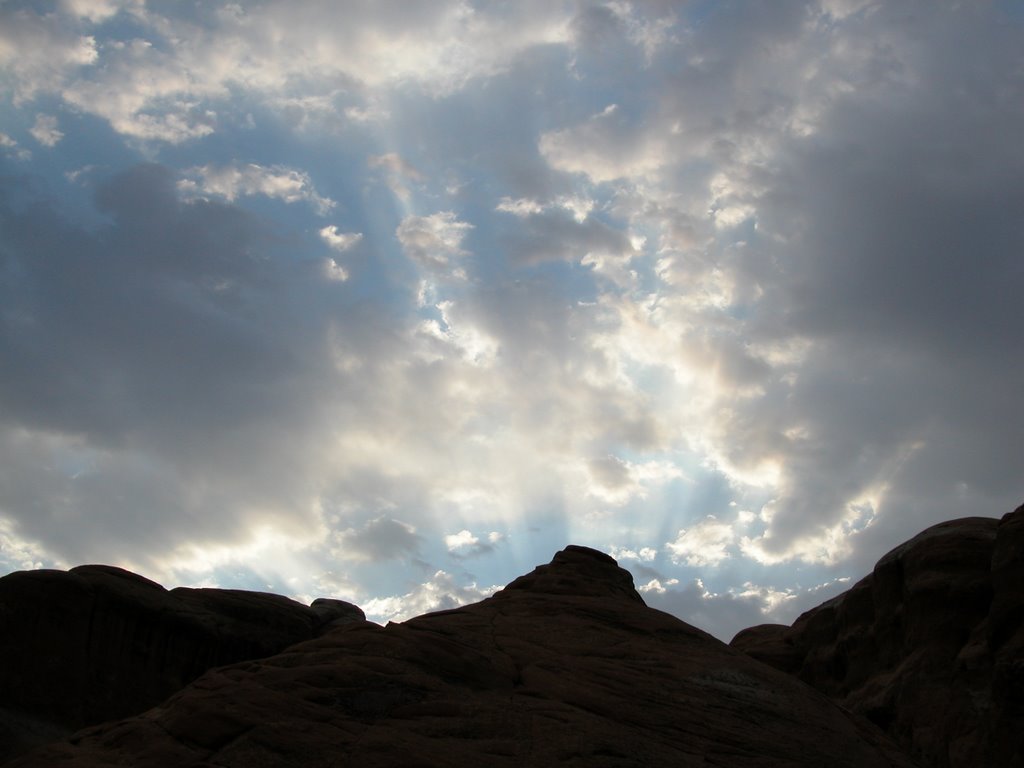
{"x": 565, "y": 666}
{"x": 930, "y": 645}
{"x": 97, "y": 643}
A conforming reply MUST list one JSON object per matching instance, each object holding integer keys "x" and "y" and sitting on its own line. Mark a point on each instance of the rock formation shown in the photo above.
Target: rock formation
{"x": 929, "y": 646}
{"x": 97, "y": 643}
{"x": 566, "y": 666}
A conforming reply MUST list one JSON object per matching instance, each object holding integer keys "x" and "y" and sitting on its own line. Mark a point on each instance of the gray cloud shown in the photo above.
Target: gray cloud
{"x": 721, "y": 615}
{"x": 169, "y": 359}
{"x": 381, "y": 538}
{"x": 559, "y": 235}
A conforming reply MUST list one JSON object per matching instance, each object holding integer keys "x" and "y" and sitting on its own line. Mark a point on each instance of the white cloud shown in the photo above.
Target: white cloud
{"x": 580, "y": 207}
{"x": 146, "y": 93}
{"x": 434, "y": 242}
{"x": 163, "y": 83}
{"x": 233, "y": 181}
{"x": 458, "y": 333}
{"x": 522, "y": 207}
{"x": 771, "y": 600}
{"x": 97, "y": 11}
{"x": 657, "y": 586}
{"x": 826, "y": 544}
{"x": 705, "y": 543}
{"x": 440, "y": 593}
{"x": 10, "y": 147}
{"x": 340, "y": 241}
{"x": 39, "y": 53}
{"x": 334, "y": 272}
{"x": 18, "y": 554}
{"x": 607, "y": 147}
{"x": 616, "y": 481}
{"x": 45, "y": 131}
{"x": 466, "y": 544}
{"x": 461, "y": 540}
{"x": 644, "y": 554}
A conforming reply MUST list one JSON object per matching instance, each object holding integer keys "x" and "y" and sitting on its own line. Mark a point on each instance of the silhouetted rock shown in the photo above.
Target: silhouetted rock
{"x": 566, "y": 666}
{"x": 98, "y": 642}
{"x": 930, "y": 646}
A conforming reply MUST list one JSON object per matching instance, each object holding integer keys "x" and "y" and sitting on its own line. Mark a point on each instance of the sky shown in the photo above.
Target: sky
{"x": 390, "y": 301}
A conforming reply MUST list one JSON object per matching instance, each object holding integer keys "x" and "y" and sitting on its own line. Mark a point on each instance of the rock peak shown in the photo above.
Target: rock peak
{"x": 581, "y": 572}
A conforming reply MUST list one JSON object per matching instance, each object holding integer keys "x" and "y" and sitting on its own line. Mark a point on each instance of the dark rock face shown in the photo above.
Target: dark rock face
{"x": 566, "y": 666}
{"x": 98, "y": 642}
{"x": 929, "y": 646}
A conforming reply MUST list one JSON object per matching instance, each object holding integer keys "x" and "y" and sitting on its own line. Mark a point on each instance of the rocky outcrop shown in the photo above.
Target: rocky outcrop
{"x": 929, "y": 646}
{"x": 97, "y": 643}
{"x": 566, "y": 666}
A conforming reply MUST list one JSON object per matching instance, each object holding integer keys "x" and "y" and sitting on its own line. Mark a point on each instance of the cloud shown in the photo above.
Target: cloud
{"x": 16, "y": 554}
{"x": 638, "y": 262}
{"x": 524, "y": 207}
{"x": 433, "y": 242}
{"x": 562, "y": 232}
{"x": 165, "y": 80}
{"x": 705, "y": 543}
{"x": 605, "y": 147}
{"x": 398, "y": 173}
{"x": 794, "y": 242}
{"x": 644, "y": 554}
{"x": 39, "y": 53}
{"x": 10, "y": 147}
{"x": 394, "y": 164}
{"x": 45, "y": 130}
{"x": 180, "y": 390}
{"x": 340, "y": 241}
{"x": 465, "y": 544}
{"x": 616, "y": 482}
{"x": 382, "y": 538}
{"x": 97, "y": 11}
{"x": 440, "y": 593}
{"x": 720, "y": 614}
{"x": 231, "y": 182}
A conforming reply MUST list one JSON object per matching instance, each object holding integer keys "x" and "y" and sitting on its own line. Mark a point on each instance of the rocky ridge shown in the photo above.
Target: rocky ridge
{"x": 565, "y": 666}
{"x": 97, "y": 643}
{"x": 929, "y": 646}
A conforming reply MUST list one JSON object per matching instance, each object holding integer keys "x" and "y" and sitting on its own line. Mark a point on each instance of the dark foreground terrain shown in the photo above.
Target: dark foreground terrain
{"x": 919, "y": 663}
{"x": 929, "y": 646}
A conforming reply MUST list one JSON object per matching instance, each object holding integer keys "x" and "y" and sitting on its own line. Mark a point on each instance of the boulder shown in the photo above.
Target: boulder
{"x": 566, "y": 666}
